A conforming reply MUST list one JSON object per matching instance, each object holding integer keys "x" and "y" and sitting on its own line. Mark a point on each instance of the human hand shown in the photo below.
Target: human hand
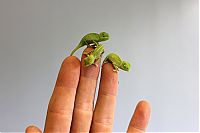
{"x": 71, "y": 107}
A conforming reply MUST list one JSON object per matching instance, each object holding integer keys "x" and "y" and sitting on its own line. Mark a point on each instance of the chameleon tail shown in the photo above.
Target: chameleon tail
{"x": 75, "y": 49}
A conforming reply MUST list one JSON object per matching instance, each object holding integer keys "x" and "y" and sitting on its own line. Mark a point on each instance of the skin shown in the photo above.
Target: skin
{"x": 71, "y": 107}
{"x": 94, "y": 55}
{"x": 117, "y": 62}
{"x": 91, "y": 38}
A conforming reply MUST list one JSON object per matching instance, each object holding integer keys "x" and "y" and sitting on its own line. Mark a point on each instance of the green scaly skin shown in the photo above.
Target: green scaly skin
{"x": 94, "y": 55}
{"x": 91, "y": 38}
{"x": 117, "y": 62}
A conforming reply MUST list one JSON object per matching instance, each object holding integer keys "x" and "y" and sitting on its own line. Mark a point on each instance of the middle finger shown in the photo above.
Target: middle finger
{"x": 83, "y": 108}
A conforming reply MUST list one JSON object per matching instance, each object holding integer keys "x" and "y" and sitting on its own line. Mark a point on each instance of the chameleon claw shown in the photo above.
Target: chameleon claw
{"x": 114, "y": 70}
{"x": 96, "y": 65}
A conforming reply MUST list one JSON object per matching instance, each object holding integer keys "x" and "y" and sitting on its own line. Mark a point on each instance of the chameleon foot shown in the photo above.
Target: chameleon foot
{"x": 114, "y": 70}
{"x": 96, "y": 65}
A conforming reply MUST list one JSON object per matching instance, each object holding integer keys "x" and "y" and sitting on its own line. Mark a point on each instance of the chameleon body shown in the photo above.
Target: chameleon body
{"x": 117, "y": 62}
{"x": 94, "y": 55}
{"x": 91, "y": 38}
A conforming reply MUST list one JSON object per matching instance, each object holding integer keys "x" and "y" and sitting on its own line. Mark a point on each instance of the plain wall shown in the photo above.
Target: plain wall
{"x": 158, "y": 37}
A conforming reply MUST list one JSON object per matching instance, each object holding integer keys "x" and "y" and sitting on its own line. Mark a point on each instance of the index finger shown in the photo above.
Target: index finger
{"x": 60, "y": 109}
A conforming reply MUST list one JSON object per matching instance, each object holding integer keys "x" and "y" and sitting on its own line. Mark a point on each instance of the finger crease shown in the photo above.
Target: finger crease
{"x": 84, "y": 107}
{"x": 67, "y": 114}
{"x": 104, "y": 93}
{"x": 137, "y": 128}
{"x": 88, "y": 77}
{"x": 103, "y": 122}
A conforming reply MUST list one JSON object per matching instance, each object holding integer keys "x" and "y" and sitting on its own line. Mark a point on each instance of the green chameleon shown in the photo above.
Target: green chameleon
{"x": 93, "y": 55}
{"x": 117, "y": 62}
{"x": 91, "y": 38}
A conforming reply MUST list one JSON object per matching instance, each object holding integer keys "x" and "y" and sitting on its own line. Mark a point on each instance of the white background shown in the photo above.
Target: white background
{"x": 158, "y": 37}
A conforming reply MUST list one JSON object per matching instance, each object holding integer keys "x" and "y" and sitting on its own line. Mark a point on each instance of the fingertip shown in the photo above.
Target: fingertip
{"x": 108, "y": 66}
{"x": 142, "y": 112}
{"x": 69, "y": 72}
{"x": 141, "y": 116}
{"x": 86, "y": 50}
{"x": 144, "y": 105}
{"x": 109, "y": 80}
{"x": 32, "y": 129}
{"x": 71, "y": 60}
{"x": 107, "y": 69}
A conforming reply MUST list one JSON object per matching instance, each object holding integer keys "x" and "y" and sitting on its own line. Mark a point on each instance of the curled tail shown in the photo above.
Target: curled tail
{"x": 75, "y": 49}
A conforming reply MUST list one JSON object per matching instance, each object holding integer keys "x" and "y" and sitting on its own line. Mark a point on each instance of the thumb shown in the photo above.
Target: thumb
{"x": 140, "y": 118}
{"x": 33, "y": 129}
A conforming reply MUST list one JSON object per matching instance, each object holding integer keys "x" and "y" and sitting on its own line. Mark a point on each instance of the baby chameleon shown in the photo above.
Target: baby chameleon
{"x": 117, "y": 62}
{"x": 94, "y": 55}
{"x": 91, "y": 38}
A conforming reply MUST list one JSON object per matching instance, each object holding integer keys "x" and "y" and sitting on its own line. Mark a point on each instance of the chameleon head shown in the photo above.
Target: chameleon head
{"x": 126, "y": 66}
{"x": 89, "y": 60}
{"x": 104, "y": 36}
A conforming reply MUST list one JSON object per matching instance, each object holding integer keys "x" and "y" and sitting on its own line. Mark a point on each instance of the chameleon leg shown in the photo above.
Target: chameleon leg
{"x": 102, "y": 53}
{"x": 95, "y": 63}
{"x": 96, "y": 43}
{"x": 116, "y": 69}
{"x": 86, "y": 43}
